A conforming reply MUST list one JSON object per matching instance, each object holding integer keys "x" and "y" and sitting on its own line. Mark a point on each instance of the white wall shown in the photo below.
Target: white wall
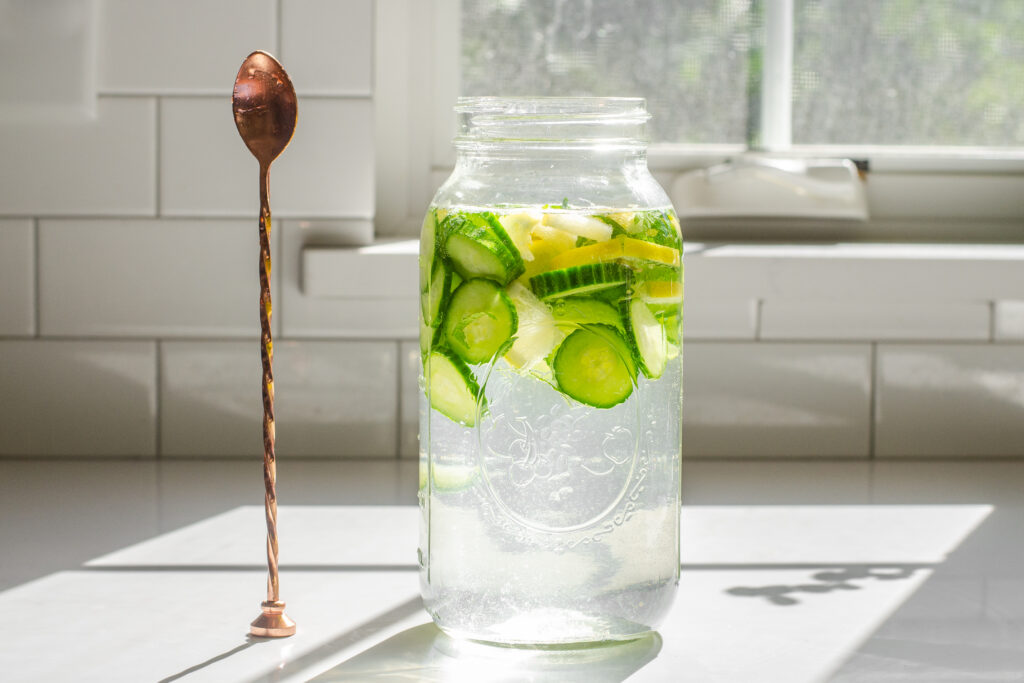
{"x": 129, "y": 291}
{"x": 128, "y": 243}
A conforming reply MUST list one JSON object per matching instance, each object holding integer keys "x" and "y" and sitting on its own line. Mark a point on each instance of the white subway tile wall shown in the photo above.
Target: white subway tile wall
{"x": 129, "y": 290}
{"x": 68, "y": 398}
{"x": 329, "y": 45}
{"x": 184, "y": 47}
{"x": 332, "y": 398}
{"x": 132, "y": 237}
{"x": 106, "y": 166}
{"x": 714, "y": 318}
{"x": 153, "y": 277}
{"x": 326, "y": 171}
{"x": 949, "y": 400}
{"x": 866, "y": 320}
{"x": 17, "y": 278}
{"x": 1009, "y": 320}
{"x": 338, "y": 315}
{"x": 409, "y": 402}
{"x": 776, "y": 399}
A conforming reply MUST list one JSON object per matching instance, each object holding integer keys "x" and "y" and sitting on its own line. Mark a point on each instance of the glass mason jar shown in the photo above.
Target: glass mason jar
{"x": 551, "y": 310}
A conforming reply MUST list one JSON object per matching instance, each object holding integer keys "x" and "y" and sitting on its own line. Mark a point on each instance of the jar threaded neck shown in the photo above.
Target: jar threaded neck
{"x": 551, "y": 122}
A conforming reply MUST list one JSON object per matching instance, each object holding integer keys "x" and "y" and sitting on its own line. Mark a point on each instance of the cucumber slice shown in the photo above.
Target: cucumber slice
{"x": 499, "y": 231}
{"x": 434, "y": 299}
{"x": 583, "y": 311}
{"x": 427, "y": 249}
{"x": 479, "y": 247}
{"x": 673, "y": 329}
{"x": 479, "y": 319}
{"x": 448, "y": 478}
{"x": 646, "y": 338}
{"x": 452, "y": 389}
{"x": 426, "y": 338}
{"x": 592, "y": 366}
{"x": 659, "y": 273}
{"x": 579, "y": 280}
{"x": 536, "y": 334}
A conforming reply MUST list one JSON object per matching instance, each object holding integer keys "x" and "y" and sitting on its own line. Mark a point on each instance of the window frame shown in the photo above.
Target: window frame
{"x": 964, "y": 193}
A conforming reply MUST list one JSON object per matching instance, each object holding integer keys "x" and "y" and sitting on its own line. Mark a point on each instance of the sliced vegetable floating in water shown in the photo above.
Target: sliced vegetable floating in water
{"x": 479, "y": 320}
{"x": 593, "y": 366}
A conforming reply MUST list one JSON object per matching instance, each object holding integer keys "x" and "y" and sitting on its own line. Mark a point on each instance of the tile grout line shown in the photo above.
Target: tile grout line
{"x": 872, "y": 399}
{"x": 36, "y": 295}
{"x": 158, "y": 128}
{"x": 992, "y": 321}
{"x": 280, "y": 12}
{"x": 398, "y": 400}
{"x": 758, "y": 315}
{"x": 159, "y": 378}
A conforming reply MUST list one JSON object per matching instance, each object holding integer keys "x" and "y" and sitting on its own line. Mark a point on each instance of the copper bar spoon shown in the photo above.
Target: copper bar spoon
{"x": 265, "y": 110}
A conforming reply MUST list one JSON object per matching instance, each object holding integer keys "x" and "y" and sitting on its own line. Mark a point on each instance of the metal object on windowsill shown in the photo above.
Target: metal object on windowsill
{"x": 756, "y": 186}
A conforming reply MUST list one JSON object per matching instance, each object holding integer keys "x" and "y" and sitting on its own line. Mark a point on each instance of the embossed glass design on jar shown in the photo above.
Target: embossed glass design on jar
{"x": 551, "y": 285}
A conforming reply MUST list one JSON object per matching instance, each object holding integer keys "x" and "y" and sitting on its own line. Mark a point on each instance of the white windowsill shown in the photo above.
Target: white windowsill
{"x": 839, "y": 292}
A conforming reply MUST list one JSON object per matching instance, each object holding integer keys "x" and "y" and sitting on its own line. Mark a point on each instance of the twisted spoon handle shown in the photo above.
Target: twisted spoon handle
{"x": 267, "y": 357}
{"x": 272, "y": 622}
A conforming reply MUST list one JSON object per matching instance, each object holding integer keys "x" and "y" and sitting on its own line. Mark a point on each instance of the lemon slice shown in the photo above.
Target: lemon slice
{"x": 619, "y": 248}
{"x": 582, "y": 226}
{"x": 519, "y": 226}
{"x": 536, "y": 335}
{"x": 662, "y": 292}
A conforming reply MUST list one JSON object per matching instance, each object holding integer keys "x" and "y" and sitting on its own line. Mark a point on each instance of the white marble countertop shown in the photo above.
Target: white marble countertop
{"x": 792, "y": 571}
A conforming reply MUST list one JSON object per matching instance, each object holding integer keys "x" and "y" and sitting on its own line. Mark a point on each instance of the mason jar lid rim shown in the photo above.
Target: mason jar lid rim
{"x": 623, "y": 108}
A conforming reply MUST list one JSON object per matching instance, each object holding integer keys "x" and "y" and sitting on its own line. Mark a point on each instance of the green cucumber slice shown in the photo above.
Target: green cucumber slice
{"x": 479, "y": 247}
{"x": 660, "y": 273}
{"x": 452, "y": 389}
{"x": 448, "y": 478}
{"x": 479, "y": 319}
{"x": 593, "y": 366}
{"x": 501, "y": 233}
{"x": 434, "y": 299}
{"x": 672, "y": 327}
{"x": 427, "y": 249}
{"x": 577, "y": 280}
{"x": 646, "y": 338}
{"x": 582, "y": 311}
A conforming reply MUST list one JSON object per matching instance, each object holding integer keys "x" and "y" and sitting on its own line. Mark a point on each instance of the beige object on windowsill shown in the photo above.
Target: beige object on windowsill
{"x": 757, "y": 186}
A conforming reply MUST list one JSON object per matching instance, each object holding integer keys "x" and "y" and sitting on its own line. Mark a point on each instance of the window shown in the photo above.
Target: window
{"x": 870, "y": 72}
{"x": 929, "y": 92}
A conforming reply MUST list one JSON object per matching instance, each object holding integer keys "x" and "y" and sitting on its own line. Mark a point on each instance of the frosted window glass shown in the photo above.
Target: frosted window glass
{"x": 689, "y": 58}
{"x": 909, "y": 72}
{"x": 878, "y": 72}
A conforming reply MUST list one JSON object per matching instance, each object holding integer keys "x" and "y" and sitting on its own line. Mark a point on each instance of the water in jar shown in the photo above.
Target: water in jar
{"x": 549, "y": 427}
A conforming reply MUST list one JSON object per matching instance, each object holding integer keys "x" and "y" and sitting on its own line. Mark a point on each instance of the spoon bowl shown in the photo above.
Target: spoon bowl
{"x": 265, "y": 106}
